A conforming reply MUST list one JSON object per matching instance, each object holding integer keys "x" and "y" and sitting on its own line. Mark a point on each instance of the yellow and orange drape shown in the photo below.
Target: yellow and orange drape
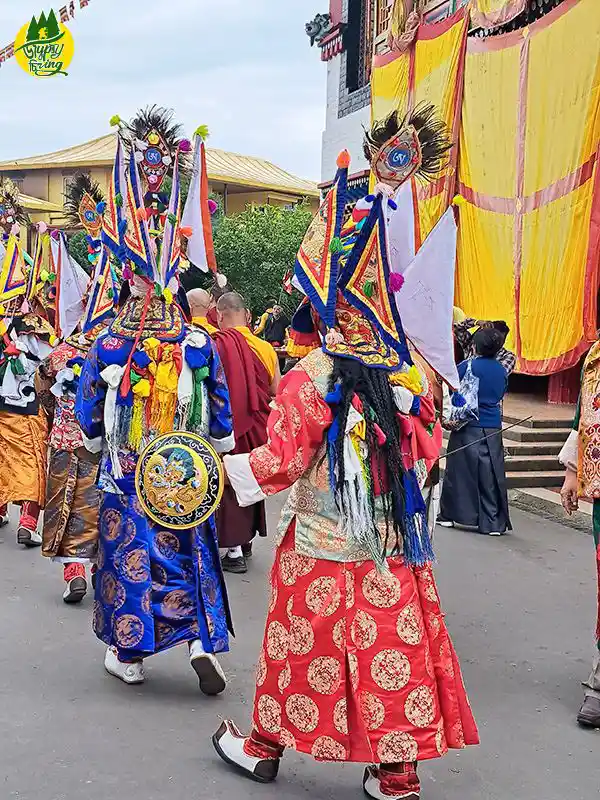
{"x": 529, "y": 143}
{"x": 491, "y": 13}
{"x": 431, "y": 70}
{"x": 528, "y": 167}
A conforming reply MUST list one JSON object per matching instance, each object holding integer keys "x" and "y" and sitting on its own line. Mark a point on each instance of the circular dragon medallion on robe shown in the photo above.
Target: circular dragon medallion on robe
{"x": 136, "y": 566}
{"x": 167, "y": 544}
{"x": 178, "y": 604}
{"x": 110, "y": 524}
{"x": 325, "y": 675}
{"x": 302, "y": 712}
{"x": 129, "y": 631}
{"x": 179, "y": 480}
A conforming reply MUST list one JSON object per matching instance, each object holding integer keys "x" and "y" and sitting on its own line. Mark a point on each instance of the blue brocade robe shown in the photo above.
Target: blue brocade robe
{"x": 156, "y": 587}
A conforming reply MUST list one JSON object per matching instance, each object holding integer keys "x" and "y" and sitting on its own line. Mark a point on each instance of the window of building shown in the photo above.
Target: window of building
{"x": 68, "y": 180}
{"x": 359, "y": 42}
{"x": 382, "y": 17}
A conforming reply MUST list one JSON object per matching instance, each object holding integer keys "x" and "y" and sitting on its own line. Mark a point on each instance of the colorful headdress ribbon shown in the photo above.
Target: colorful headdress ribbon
{"x": 114, "y": 222}
{"x": 317, "y": 263}
{"x": 137, "y": 236}
{"x": 103, "y": 294}
{"x": 170, "y": 254}
{"x": 365, "y": 279}
{"x": 13, "y": 275}
{"x": 196, "y": 215}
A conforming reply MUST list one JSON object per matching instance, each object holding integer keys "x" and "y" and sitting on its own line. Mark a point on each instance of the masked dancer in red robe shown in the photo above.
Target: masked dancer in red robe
{"x": 356, "y": 663}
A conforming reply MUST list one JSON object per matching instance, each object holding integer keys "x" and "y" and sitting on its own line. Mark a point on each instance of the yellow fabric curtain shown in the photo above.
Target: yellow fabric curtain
{"x": 528, "y": 169}
{"x": 490, "y": 13}
{"x": 431, "y": 71}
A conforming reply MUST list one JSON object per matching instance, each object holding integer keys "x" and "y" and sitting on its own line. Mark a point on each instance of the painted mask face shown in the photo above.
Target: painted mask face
{"x": 90, "y": 219}
{"x": 399, "y": 158}
{"x": 152, "y": 155}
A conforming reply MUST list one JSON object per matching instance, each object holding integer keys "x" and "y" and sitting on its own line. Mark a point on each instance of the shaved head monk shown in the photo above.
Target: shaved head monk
{"x": 201, "y": 303}
{"x": 252, "y": 373}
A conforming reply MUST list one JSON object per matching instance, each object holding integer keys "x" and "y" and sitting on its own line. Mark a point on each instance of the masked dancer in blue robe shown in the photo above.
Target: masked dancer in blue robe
{"x": 150, "y": 373}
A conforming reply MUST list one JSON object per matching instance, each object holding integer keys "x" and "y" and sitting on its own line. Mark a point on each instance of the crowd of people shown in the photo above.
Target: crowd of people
{"x": 103, "y": 431}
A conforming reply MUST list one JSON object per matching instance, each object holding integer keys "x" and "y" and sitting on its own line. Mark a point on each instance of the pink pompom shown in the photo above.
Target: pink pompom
{"x": 396, "y": 282}
{"x": 212, "y": 206}
{"x": 185, "y": 146}
{"x": 42, "y": 227}
{"x": 127, "y": 274}
{"x": 15, "y": 230}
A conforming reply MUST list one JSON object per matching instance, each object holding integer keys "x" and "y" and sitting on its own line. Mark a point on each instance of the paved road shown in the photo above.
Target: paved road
{"x": 521, "y": 612}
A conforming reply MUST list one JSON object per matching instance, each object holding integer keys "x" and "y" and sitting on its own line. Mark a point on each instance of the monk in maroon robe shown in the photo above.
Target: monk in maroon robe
{"x": 252, "y": 372}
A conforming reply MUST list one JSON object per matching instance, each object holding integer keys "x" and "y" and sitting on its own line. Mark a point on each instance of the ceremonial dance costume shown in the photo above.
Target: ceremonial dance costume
{"x": 151, "y": 373}
{"x": 581, "y": 457}
{"x": 356, "y": 663}
{"x": 26, "y": 340}
{"x": 70, "y": 532}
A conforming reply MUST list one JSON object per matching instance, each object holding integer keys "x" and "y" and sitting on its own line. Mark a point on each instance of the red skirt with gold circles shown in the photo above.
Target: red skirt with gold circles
{"x": 357, "y": 665}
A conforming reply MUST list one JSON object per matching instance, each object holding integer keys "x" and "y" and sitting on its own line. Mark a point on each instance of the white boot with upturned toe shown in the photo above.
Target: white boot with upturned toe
{"x": 210, "y": 674}
{"x": 128, "y": 673}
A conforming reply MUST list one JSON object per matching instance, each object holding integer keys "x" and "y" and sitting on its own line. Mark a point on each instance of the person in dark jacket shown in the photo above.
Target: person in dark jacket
{"x": 474, "y": 493}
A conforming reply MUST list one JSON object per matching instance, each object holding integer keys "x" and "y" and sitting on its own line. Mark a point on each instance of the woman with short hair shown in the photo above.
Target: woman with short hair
{"x": 474, "y": 493}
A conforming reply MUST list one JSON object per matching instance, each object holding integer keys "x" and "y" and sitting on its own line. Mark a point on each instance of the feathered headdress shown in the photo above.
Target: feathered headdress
{"x": 155, "y": 138}
{"x": 85, "y": 204}
{"x": 399, "y": 147}
{"x": 11, "y": 210}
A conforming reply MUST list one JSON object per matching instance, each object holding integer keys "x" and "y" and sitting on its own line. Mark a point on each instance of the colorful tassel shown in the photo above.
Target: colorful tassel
{"x": 458, "y": 401}
{"x": 119, "y": 200}
{"x": 418, "y": 549}
{"x": 396, "y": 282}
{"x": 336, "y": 246}
{"x": 195, "y": 415}
{"x": 202, "y": 132}
{"x": 115, "y": 120}
{"x": 369, "y": 288}
{"x": 343, "y": 160}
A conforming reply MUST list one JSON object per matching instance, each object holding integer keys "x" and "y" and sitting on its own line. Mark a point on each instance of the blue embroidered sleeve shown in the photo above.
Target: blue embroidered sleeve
{"x": 91, "y": 391}
{"x": 221, "y": 420}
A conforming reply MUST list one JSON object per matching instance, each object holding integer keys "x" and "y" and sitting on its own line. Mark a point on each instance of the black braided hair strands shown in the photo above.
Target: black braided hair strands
{"x": 374, "y": 391}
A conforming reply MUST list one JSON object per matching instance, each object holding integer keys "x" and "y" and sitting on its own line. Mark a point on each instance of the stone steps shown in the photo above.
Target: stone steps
{"x": 535, "y": 480}
{"x": 532, "y": 452}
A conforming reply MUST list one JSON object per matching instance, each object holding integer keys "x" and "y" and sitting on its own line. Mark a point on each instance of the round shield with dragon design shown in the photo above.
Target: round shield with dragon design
{"x": 179, "y": 480}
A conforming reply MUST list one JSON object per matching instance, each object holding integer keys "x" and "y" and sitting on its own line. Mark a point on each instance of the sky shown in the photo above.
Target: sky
{"x": 245, "y": 68}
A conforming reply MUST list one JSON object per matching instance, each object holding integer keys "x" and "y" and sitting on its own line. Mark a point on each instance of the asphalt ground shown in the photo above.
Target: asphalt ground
{"x": 521, "y": 611}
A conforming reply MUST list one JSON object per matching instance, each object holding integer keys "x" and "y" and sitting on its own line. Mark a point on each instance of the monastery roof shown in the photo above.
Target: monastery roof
{"x": 35, "y": 204}
{"x": 223, "y": 167}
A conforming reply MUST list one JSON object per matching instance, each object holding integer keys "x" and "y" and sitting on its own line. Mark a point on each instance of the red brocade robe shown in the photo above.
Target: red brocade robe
{"x": 250, "y": 395}
{"x": 356, "y": 664}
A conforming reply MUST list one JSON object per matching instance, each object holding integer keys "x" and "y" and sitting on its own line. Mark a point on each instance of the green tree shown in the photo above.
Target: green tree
{"x": 78, "y": 249}
{"x": 32, "y": 30}
{"x": 256, "y": 248}
{"x": 53, "y": 27}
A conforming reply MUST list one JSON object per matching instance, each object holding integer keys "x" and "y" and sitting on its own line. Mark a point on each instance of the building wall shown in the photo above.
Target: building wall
{"x": 345, "y": 117}
{"x": 237, "y": 203}
{"x": 49, "y": 184}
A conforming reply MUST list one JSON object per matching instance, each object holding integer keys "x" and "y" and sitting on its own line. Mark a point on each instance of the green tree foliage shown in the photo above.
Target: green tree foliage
{"x": 53, "y": 27}
{"x": 256, "y": 248}
{"x": 78, "y": 249}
